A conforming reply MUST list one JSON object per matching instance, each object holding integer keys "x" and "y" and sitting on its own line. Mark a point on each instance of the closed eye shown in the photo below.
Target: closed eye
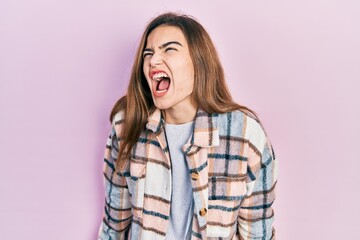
{"x": 145, "y": 54}
{"x": 170, "y": 48}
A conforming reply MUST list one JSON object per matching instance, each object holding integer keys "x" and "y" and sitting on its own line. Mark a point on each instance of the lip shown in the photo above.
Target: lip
{"x": 154, "y": 92}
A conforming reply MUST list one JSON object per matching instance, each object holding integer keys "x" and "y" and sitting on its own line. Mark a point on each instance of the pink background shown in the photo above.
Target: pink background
{"x": 64, "y": 63}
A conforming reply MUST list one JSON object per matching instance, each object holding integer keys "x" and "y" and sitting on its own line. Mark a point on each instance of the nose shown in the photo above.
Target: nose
{"x": 156, "y": 59}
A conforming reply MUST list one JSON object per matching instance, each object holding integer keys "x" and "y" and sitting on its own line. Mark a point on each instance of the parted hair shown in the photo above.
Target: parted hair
{"x": 210, "y": 92}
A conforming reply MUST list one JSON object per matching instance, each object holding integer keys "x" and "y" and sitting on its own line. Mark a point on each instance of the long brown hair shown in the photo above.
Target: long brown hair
{"x": 210, "y": 93}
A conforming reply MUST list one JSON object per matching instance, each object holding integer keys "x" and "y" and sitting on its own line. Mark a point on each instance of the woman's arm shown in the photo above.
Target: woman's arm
{"x": 256, "y": 215}
{"x": 117, "y": 212}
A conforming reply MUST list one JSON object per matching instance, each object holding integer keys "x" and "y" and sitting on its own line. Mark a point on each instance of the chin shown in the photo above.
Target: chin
{"x": 163, "y": 104}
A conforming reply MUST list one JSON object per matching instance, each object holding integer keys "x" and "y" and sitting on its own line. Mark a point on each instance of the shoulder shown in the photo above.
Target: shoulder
{"x": 117, "y": 121}
{"x": 118, "y": 118}
{"x": 117, "y": 115}
{"x": 243, "y": 125}
{"x": 239, "y": 120}
{"x": 238, "y": 115}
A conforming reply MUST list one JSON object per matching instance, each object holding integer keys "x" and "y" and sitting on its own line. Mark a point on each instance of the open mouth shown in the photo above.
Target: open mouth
{"x": 162, "y": 81}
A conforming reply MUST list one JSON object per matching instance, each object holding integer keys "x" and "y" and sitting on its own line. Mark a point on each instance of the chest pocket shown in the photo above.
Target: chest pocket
{"x": 225, "y": 195}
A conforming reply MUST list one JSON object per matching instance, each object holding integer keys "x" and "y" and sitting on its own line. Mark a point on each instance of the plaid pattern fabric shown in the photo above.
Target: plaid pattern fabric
{"x": 233, "y": 175}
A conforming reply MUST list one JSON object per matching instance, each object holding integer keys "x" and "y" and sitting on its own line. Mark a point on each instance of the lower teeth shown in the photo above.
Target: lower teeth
{"x": 161, "y": 91}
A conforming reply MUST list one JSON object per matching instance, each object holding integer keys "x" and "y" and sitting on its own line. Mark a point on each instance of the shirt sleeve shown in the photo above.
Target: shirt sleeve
{"x": 117, "y": 211}
{"x": 256, "y": 215}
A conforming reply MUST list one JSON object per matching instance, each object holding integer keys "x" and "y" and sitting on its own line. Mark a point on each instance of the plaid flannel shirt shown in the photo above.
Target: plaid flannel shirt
{"x": 233, "y": 175}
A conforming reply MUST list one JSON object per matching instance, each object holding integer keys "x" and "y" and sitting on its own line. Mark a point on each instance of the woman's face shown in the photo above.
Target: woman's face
{"x": 168, "y": 68}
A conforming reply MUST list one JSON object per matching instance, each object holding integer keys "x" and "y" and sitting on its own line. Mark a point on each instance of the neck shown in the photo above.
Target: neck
{"x": 176, "y": 116}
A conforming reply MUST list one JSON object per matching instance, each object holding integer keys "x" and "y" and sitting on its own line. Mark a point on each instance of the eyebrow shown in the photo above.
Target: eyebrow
{"x": 163, "y": 46}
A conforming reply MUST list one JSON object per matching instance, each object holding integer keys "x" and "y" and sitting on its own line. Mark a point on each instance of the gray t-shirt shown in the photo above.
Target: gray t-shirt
{"x": 182, "y": 205}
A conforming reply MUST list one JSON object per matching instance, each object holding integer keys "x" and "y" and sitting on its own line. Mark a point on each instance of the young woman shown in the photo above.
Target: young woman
{"x": 183, "y": 161}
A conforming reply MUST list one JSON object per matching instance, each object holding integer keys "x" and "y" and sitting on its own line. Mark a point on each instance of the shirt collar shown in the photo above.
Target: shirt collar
{"x": 205, "y": 132}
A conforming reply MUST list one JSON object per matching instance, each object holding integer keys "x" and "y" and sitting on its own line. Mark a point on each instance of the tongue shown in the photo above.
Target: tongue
{"x": 163, "y": 84}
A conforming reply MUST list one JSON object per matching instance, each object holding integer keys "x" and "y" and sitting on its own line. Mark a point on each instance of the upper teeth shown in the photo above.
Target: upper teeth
{"x": 157, "y": 76}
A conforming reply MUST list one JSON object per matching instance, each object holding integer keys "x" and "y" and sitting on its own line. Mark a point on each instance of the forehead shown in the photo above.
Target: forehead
{"x": 163, "y": 34}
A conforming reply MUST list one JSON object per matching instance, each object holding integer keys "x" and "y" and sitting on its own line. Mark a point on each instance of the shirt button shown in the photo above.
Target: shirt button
{"x": 202, "y": 212}
{"x": 194, "y": 176}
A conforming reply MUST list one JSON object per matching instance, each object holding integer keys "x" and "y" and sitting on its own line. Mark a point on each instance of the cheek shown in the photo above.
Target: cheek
{"x": 144, "y": 69}
{"x": 191, "y": 76}
{"x": 187, "y": 71}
